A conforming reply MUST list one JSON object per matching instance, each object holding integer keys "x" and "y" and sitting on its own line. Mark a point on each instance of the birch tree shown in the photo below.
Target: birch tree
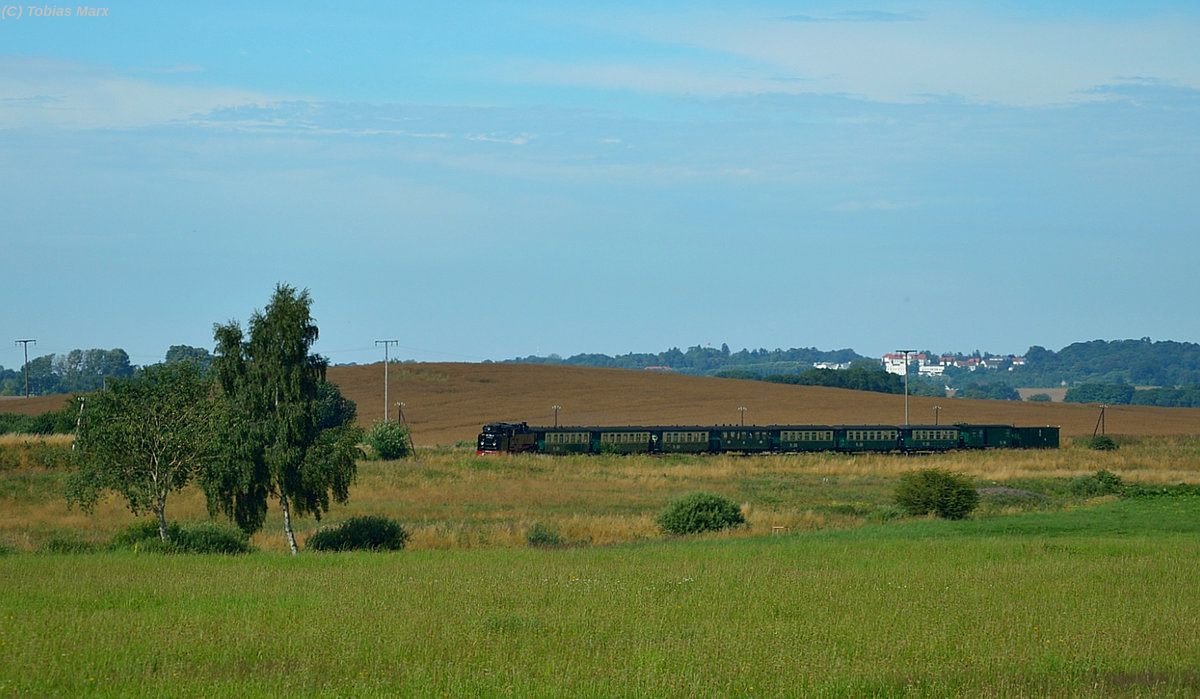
{"x": 275, "y": 449}
{"x": 144, "y": 438}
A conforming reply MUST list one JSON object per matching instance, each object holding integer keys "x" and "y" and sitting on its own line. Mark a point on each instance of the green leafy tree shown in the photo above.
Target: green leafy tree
{"x": 275, "y": 446}
{"x": 389, "y": 439}
{"x": 144, "y": 438}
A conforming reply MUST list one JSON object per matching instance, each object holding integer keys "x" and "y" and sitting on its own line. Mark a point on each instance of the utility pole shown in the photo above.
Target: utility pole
{"x": 26, "y": 343}
{"x": 386, "y": 344}
{"x": 412, "y": 446}
{"x": 556, "y": 409}
{"x": 906, "y": 353}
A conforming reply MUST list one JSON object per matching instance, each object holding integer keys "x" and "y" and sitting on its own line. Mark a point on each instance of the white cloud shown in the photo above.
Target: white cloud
{"x": 47, "y": 92}
{"x": 949, "y": 50}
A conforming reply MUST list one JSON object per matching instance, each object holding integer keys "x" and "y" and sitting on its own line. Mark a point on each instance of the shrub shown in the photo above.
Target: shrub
{"x": 140, "y": 533}
{"x": 193, "y": 537}
{"x": 700, "y": 512}
{"x": 1103, "y": 443}
{"x": 211, "y": 537}
{"x": 541, "y": 536}
{"x": 389, "y": 439}
{"x": 949, "y": 495}
{"x": 373, "y": 533}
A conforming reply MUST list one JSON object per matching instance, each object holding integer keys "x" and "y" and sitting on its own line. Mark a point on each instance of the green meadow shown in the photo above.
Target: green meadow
{"x": 1090, "y": 601}
{"x": 1049, "y": 589}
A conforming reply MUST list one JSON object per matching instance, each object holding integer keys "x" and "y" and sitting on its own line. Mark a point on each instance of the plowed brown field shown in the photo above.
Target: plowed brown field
{"x": 446, "y": 403}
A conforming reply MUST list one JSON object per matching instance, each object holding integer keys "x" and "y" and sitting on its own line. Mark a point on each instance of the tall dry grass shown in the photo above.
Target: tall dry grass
{"x": 452, "y": 499}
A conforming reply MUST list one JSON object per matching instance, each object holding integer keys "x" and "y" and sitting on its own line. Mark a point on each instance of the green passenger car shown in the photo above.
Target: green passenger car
{"x": 930, "y": 437}
{"x": 627, "y": 440}
{"x": 743, "y": 439}
{"x": 565, "y": 441}
{"x": 987, "y": 436}
{"x": 867, "y": 438}
{"x": 684, "y": 440}
{"x": 804, "y": 438}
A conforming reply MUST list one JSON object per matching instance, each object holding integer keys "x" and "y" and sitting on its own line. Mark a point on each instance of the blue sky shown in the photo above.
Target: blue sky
{"x": 491, "y": 180}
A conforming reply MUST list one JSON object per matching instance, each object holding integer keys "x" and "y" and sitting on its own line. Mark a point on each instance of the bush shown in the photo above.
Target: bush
{"x": 194, "y": 537}
{"x": 700, "y": 512}
{"x": 211, "y": 537}
{"x": 1103, "y": 443}
{"x": 141, "y": 532}
{"x": 949, "y": 495}
{"x": 389, "y": 439}
{"x": 372, "y": 533}
{"x": 541, "y": 536}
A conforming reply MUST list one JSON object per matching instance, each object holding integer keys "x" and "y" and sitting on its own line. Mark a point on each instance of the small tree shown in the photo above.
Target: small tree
{"x": 275, "y": 445}
{"x": 700, "y": 512}
{"x": 949, "y": 495}
{"x": 144, "y": 438}
{"x": 389, "y": 439}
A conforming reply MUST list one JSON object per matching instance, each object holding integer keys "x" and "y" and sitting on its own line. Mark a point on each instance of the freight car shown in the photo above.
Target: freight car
{"x": 517, "y": 437}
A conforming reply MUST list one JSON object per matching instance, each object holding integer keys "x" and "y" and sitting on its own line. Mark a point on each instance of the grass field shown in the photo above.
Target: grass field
{"x": 1095, "y": 601}
{"x": 1048, "y": 590}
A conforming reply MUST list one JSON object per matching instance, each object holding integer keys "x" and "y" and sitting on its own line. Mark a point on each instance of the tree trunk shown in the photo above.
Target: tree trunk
{"x": 287, "y": 523}
{"x": 163, "y": 534}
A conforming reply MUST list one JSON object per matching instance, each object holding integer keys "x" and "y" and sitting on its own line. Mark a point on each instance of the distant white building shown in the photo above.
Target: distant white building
{"x": 894, "y": 364}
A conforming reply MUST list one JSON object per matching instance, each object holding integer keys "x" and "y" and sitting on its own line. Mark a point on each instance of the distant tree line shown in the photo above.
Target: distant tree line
{"x": 1125, "y": 394}
{"x": 707, "y": 361}
{"x": 1173, "y": 366}
{"x": 83, "y": 371}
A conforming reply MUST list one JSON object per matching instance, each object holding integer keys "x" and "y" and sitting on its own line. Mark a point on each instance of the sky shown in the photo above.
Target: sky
{"x": 488, "y": 180}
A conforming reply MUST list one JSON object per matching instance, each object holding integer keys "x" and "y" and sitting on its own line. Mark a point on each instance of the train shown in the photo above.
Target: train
{"x": 520, "y": 437}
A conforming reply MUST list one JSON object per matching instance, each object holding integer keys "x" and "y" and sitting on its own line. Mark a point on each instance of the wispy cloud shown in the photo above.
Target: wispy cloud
{"x": 56, "y": 93}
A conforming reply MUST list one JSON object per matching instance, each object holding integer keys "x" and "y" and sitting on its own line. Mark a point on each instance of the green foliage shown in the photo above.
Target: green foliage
{"x": 332, "y": 408}
{"x": 140, "y": 532}
{"x": 855, "y": 378}
{"x": 371, "y": 533}
{"x": 541, "y": 536}
{"x": 994, "y": 390}
{"x": 1097, "y": 484}
{"x": 279, "y": 443}
{"x": 75, "y": 372}
{"x": 389, "y": 439}
{"x": 1110, "y": 394}
{"x": 1102, "y": 442}
{"x": 1039, "y": 398}
{"x": 144, "y": 438}
{"x": 65, "y": 543}
{"x": 700, "y": 512}
{"x": 932, "y": 490}
{"x": 192, "y": 537}
{"x": 61, "y": 421}
{"x": 184, "y": 353}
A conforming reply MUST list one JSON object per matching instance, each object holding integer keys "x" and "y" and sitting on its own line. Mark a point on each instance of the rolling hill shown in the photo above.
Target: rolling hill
{"x": 445, "y": 403}
{"x": 448, "y": 402}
